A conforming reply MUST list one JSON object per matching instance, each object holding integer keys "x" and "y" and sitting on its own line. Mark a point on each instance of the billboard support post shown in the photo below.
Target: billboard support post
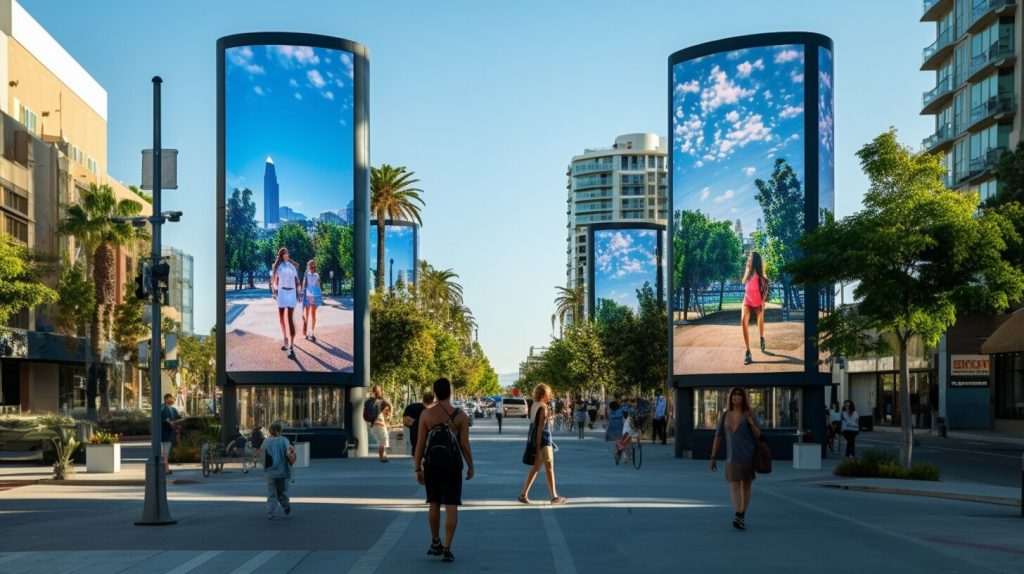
{"x": 154, "y": 510}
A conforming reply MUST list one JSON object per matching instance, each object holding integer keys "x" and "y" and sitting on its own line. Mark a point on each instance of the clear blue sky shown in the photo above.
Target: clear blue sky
{"x": 487, "y": 102}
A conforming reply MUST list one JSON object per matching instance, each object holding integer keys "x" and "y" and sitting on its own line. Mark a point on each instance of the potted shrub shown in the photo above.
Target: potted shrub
{"x": 103, "y": 453}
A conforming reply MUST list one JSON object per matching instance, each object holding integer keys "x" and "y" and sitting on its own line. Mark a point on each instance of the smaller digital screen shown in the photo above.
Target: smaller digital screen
{"x": 626, "y": 267}
{"x": 399, "y": 255}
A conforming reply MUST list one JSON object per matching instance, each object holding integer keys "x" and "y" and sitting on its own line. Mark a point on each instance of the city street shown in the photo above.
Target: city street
{"x": 364, "y": 516}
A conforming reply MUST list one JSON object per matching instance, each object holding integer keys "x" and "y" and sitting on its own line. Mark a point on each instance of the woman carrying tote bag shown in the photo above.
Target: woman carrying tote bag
{"x": 543, "y": 451}
{"x": 741, "y": 434}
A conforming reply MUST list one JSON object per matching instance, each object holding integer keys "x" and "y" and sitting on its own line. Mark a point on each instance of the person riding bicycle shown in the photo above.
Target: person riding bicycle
{"x": 629, "y": 434}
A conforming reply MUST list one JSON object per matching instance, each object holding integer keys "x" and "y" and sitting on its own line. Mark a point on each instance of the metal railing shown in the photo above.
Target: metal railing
{"x": 945, "y": 39}
{"x": 990, "y": 107}
{"x": 942, "y": 88}
{"x": 996, "y": 51}
{"x": 941, "y": 135}
{"x": 592, "y": 167}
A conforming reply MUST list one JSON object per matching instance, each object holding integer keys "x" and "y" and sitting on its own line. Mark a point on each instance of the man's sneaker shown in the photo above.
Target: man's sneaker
{"x": 747, "y": 359}
{"x": 436, "y": 548}
{"x": 448, "y": 556}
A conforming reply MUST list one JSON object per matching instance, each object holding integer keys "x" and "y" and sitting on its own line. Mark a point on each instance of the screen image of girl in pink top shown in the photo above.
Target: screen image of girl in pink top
{"x": 755, "y": 292}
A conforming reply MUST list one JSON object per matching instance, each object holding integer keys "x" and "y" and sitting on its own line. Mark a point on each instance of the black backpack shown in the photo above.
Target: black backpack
{"x": 442, "y": 452}
{"x": 371, "y": 409}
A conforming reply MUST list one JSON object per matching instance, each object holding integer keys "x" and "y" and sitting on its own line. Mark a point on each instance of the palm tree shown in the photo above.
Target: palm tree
{"x": 462, "y": 323}
{"x": 438, "y": 292}
{"x": 392, "y": 196}
{"x": 91, "y": 222}
{"x": 569, "y": 302}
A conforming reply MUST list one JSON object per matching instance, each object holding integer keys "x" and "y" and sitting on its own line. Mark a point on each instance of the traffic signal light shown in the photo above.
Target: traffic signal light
{"x": 142, "y": 284}
{"x": 161, "y": 281}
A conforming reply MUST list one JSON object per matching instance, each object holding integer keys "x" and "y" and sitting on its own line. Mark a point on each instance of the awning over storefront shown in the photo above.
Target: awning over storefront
{"x": 1008, "y": 338}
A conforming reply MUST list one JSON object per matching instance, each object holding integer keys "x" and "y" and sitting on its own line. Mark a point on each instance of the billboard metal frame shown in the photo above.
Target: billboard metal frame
{"x": 659, "y": 288}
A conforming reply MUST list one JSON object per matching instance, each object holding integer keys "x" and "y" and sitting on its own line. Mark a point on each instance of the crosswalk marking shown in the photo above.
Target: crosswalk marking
{"x": 195, "y": 562}
{"x": 372, "y": 558}
{"x": 255, "y": 562}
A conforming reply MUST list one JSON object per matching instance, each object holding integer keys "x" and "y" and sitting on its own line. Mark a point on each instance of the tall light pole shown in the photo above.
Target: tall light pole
{"x": 391, "y": 275}
{"x": 154, "y": 510}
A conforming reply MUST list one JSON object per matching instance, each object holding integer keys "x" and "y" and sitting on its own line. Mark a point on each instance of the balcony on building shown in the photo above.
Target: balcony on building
{"x": 592, "y": 167}
{"x": 936, "y": 98}
{"x": 981, "y": 168}
{"x": 934, "y": 10}
{"x": 933, "y": 56}
{"x": 998, "y": 56}
{"x": 941, "y": 140}
{"x": 999, "y": 108}
{"x": 985, "y": 12}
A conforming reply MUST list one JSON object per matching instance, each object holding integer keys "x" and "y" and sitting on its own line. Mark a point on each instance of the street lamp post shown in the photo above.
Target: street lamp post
{"x": 391, "y": 275}
{"x": 154, "y": 510}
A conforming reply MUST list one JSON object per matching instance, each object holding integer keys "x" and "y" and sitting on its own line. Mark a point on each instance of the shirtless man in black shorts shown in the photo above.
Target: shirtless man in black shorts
{"x": 443, "y": 487}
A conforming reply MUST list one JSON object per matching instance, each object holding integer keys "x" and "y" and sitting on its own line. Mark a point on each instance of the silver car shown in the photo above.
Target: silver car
{"x": 515, "y": 407}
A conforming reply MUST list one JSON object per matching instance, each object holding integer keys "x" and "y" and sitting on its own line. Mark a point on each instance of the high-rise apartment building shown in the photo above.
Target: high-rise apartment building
{"x": 271, "y": 196}
{"x": 627, "y": 182}
{"x": 976, "y": 58}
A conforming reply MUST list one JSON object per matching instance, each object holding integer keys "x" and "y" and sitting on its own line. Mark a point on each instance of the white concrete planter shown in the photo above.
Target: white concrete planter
{"x": 301, "y": 455}
{"x": 807, "y": 456}
{"x": 103, "y": 457}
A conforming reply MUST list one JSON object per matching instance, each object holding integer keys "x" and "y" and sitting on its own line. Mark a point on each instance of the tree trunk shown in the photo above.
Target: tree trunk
{"x": 380, "y": 251}
{"x": 906, "y": 419}
{"x": 686, "y": 302}
{"x": 103, "y": 389}
{"x": 721, "y": 294}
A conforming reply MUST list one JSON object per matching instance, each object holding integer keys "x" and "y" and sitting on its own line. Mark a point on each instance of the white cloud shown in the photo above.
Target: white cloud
{"x": 736, "y": 55}
{"x": 298, "y": 96}
{"x": 242, "y": 57}
{"x": 691, "y": 87}
{"x": 687, "y": 132}
{"x": 726, "y": 196}
{"x": 791, "y": 112}
{"x": 329, "y": 95}
{"x": 288, "y": 55}
{"x": 732, "y": 117}
{"x": 705, "y": 193}
{"x": 749, "y": 171}
{"x": 767, "y": 94}
{"x": 744, "y": 69}
{"x": 621, "y": 256}
{"x": 698, "y": 163}
{"x": 258, "y": 90}
{"x": 293, "y": 83}
{"x": 339, "y": 83}
{"x": 787, "y": 55}
{"x": 796, "y": 77}
{"x": 316, "y": 79}
{"x": 722, "y": 91}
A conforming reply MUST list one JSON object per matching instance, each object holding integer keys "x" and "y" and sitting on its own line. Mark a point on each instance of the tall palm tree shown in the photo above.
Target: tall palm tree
{"x": 91, "y": 222}
{"x": 438, "y": 292}
{"x": 392, "y": 196}
{"x": 462, "y": 323}
{"x": 569, "y": 302}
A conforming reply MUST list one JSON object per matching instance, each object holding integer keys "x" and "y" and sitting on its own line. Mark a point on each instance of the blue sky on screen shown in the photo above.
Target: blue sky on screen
{"x": 826, "y": 133}
{"x": 734, "y": 114}
{"x": 294, "y": 105}
{"x": 399, "y": 243}
{"x": 625, "y": 259}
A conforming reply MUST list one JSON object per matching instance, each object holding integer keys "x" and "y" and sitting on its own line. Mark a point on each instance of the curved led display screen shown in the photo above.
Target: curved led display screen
{"x": 744, "y": 191}
{"x": 625, "y": 274}
{"x": 401, "y": 250}
{"x": 290, "y": 233}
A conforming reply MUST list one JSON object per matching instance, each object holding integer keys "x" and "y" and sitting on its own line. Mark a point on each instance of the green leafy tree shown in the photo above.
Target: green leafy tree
{"x": 128, "y": 330}
{"x": 392, "y": 196}
{"x": 1010, "y": 175}
{"x": 569, "y": 302}
{"x": 96, "y": 220}
{"x": 20, "y": 286}
{"x": 77, "y": 301}
{"x": 327, "y": 248}
{"x": 724, "y": 256}
{"x": 295, "y": 238}
{"x": 242, "y": 232}
{"x": 691, "y": 269}
{"x": 197, "y": 356}
{"x": 919, "y": 252}
{"x": 782, "y": 200}
{"x": 608, "y": 312}
{"x": 438, "y": 292}
{"x": 402, "y": 342}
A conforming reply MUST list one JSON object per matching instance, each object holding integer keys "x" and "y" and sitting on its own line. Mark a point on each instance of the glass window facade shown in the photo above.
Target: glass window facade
{"x": 1009, "y": 370}
{"x": 774, "y": 407}
{"x": 295, "y": 406}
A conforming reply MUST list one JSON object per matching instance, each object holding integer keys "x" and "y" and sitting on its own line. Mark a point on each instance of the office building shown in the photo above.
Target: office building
{"x": 271, "y": 195}
{"x": 179, "y": 288}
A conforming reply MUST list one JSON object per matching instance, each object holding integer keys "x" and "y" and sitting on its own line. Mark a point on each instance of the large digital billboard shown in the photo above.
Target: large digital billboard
{"x": 625, "y": 269}
{"x": 826, "y": 172}
{"x": 401, "y": 250}
{"x": 289, "y": 244}
{"x": 738, "y": 195}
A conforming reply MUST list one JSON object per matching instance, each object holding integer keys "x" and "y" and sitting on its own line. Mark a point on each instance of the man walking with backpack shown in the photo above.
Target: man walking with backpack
{"x": 437, "y": 462}
{"x": 376, "y": 411}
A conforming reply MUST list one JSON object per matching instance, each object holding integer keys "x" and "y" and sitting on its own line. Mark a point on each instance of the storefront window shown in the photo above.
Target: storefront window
{"x": 72, "y": 388}
{"x": 774, "y": 407}
{"x": 888, "y": 410}
{"x": 295, "y": 406}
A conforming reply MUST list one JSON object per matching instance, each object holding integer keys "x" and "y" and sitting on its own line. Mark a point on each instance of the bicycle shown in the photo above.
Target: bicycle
{"x": 636, "y": 453}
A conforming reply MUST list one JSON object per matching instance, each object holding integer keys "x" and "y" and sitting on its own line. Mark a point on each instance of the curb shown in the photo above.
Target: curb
{"x": 927, "y": 493}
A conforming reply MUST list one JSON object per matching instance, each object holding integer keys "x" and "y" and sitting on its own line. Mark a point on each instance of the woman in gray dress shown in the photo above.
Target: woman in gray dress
{"x": 741, "y": 432}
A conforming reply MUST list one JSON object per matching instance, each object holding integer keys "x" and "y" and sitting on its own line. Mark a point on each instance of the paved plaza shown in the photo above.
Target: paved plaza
{"x": 362, "y": 516}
